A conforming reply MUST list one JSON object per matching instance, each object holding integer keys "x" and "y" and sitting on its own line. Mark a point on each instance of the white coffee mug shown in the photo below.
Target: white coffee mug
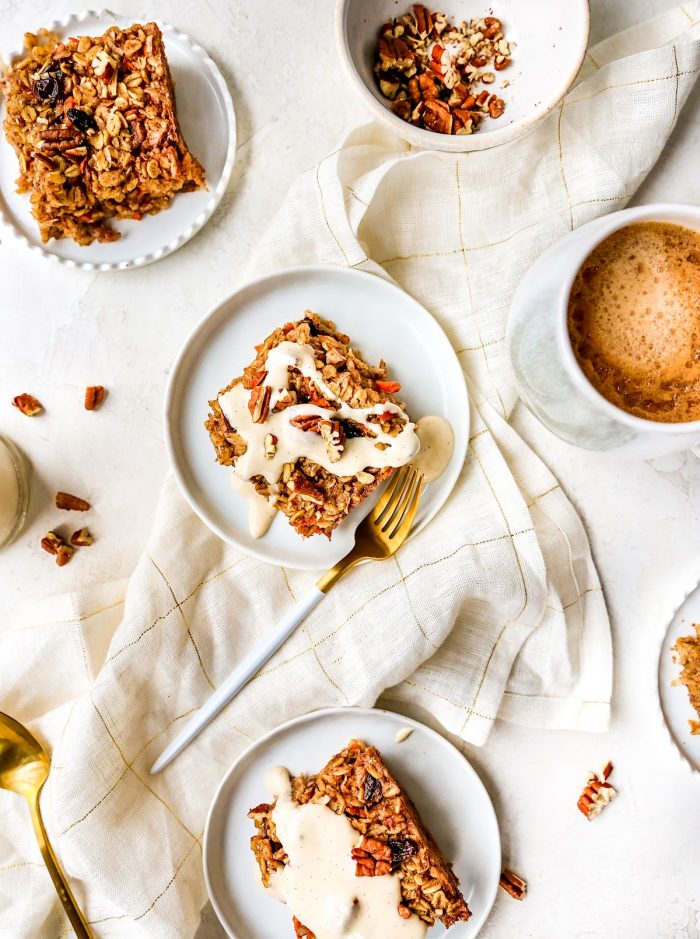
{"x": 548, "y": 377}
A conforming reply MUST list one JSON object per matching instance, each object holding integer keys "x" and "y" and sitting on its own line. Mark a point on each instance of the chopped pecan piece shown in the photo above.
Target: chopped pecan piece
{"x": 259, "y": 403}
{"x": 51, "y": 542}
{"x": 64, "y": 500}
{"x": 270, "y": 446}
{"x": 597, "y": 793}
{"x": 437, "y": 116}
{"x": 308, "y": 422}
{"x": 28, "y": 404}
{"x": 301, "y": 931}
{"x": 94, "y": 396}
{"x": 426, "y": 66}
{"x": 334, "y": 438}
{"x": 496, "y": 106}
{"x": 63, "y": 554}
{"x": 256, "y": 379}
{"x": 513, "y": 884}
{"x": 306, "y": 489}
{"x": 81, "y": 538}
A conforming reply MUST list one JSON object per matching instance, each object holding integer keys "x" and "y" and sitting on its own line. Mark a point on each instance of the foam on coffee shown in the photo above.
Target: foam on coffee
{"x": 634, "y": 320}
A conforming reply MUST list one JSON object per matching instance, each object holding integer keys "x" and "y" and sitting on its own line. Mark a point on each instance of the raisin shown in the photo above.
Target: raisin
{"x": 402, "y": 849}
{"x": 353, "y": 429}
{"x": 49, "y": 86}
{"x": 373, "y": 790}
{"x": 81, "y": 120}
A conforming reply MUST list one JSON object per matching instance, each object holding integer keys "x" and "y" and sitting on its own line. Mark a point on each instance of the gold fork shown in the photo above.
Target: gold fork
{"x": 378, "y": 536}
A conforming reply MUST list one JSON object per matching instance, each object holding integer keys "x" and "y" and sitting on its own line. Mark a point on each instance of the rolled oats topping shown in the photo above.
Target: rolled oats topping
{"x": 94, "y": 126}
{"x": 432, "y": 70}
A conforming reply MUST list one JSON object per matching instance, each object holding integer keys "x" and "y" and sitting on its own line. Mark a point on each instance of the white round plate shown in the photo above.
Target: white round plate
{"x": 449, "y": 795}
{"x": 208, "y": 123}
{"x": 675, "y": 704}
{"x": 382, "y": 322}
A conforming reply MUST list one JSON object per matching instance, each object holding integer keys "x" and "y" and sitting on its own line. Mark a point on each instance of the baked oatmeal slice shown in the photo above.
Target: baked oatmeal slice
{"x": 95, "y": 129}
{"x": 687, "y": 649}
{"x": 311, "y": 425}
{"x": 392, "y": 840}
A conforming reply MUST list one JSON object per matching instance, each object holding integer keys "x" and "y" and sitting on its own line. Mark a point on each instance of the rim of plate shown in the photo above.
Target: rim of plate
{"x": 61, "y": 26}
{"x": 662, "y": 647}
{"x": 326, "y": 712}
{"x": 450, "y": 476}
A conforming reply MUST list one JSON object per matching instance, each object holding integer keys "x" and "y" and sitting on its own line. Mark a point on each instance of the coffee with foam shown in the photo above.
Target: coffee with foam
{"x": 634, "y": 320}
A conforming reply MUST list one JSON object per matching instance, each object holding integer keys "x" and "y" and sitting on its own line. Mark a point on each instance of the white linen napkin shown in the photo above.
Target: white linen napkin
{"x": 494, "y": 612}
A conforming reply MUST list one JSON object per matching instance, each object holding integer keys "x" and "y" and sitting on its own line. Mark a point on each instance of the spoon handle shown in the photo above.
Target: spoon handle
{"x": 76, "y": 918}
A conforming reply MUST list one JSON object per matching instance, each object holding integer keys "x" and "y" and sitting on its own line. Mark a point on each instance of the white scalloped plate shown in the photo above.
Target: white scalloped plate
{"x": 676, "y": 708}
{"x": 450, "y": 797}
{"x": 208, "y": 124}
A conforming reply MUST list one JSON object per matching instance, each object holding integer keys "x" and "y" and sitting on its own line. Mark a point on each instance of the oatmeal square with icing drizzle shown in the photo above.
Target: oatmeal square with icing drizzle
{"x": 310, "y": 429}
{"x": 348, "y": 853}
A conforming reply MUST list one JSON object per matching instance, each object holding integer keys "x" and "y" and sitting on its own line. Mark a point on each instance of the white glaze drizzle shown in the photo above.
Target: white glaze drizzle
{"x": 318, "y": 882}
{"x": 261, "y": 511}
{"x": 292, "y": 442}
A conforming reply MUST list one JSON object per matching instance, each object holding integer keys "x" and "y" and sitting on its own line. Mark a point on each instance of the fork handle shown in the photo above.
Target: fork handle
{"x": 77, "y": 920}
{"x": 240, "y": 677}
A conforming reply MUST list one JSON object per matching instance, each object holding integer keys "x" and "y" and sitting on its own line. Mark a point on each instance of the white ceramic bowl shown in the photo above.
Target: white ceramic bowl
{"x": 551, "y": 38}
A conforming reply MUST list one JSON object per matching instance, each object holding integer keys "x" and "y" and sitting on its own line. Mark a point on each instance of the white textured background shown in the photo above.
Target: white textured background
{"x": 635, "y": 873}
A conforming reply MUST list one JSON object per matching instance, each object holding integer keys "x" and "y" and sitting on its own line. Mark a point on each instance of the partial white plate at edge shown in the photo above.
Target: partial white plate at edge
{"x": 676, "y": 708}
{"x": 382, "y": 321}
{"x": 208, "y": 122}
{"x": 448, "y": 793}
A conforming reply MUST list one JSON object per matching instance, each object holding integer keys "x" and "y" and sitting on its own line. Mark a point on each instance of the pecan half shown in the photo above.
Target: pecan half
{"x": 28, "y": 404}
{"x": 81, "y": 538}
{"x": 64, "y": 500}
{"x": 512, "y": 884}
{"x": 597, "y": 793}
{"x": 259, "y": 403}
{"x": 94, "y": 396}
{"x": 424, "y": 19}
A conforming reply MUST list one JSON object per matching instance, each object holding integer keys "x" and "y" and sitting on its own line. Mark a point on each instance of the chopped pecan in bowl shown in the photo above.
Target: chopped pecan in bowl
{"x": 432, "y": 70}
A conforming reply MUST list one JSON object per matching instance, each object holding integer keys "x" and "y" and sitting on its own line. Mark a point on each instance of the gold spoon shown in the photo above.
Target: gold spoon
{"x": 24, "y": 768}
